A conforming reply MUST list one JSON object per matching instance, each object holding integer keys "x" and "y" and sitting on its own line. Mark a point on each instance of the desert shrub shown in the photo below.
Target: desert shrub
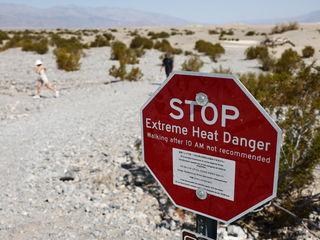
{"x": 261, "y": 53}
{"x": 134, "y": 75}
{"x": 100, "y": 41}
{"x": 28, "y": 41}
{"x": 165, "y": 46}
{"x": 68, "y": 52}
{"x": 228, "y": 32}
{"x": 222, "y": 70}
{"x": 113, "y": 30}
{"x": 256, "y": 52}
{"x": 13, "y": 42}
{"x": 67, "y": 60}
{"x": 119, "y": 51}
{"x": 228, "y": 39}
{"x": 308, "y": 51}
{"x": 211, "y": 50}
{"x": 141, "y": 42}
{"x": 134, "y": 33}
{"x": 131, "y": 56}
{"x": 250, "y": 33}
{"x": 162, "y": 34}
{"x": 118, "y": 72}
{"x": 281, "y": 28}
{"x": 194, "y": 63}
{"x": 295, "y": 100}
{"x": 3, "y": 36}
{"x": 288, "y": 62}
{"x": 108, "y": 36}
{"x": 213, "y": 32}
{"x": 69, "y": 44}
{"x": 38, "y": 46}
{"x": 187, "y": 53}
{"x": 267, "y": 62}
{"x": 139, "y": 52}
{"x": 173, "y": 33}
{"x": 121, "y": 72}
{"x": 188, "y": 32}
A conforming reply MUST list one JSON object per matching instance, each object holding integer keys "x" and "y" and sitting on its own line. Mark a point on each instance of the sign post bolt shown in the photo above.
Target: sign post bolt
{"x": 201, "y": 193}
{"x": 202, "y": 99}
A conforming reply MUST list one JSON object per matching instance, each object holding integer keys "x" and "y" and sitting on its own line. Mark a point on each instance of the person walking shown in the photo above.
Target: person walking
{"x": 42, "y": 80}
{"x": 167, "y": 63}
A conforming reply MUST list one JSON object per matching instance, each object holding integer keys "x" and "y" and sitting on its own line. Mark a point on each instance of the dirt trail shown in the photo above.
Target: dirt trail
{"x": 84, "y": 132}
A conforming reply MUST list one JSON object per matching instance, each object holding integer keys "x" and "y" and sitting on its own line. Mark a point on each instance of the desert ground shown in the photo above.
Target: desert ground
{"x": 89, "y": 136}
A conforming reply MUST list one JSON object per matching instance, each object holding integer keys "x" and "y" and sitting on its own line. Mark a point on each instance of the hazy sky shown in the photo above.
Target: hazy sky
{"x": 207, "y": 11}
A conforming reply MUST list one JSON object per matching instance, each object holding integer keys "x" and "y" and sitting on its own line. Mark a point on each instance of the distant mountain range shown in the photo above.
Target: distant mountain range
{"x": 312, "y": 17}
{"x": 23, "y": 16}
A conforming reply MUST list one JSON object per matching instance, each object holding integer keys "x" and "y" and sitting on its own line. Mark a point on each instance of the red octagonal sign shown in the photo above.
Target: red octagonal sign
{"x": 210, "y": 145}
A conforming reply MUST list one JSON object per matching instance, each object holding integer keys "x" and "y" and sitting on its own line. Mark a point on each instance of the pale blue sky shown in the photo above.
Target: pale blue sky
{"x": 208, "y": 11}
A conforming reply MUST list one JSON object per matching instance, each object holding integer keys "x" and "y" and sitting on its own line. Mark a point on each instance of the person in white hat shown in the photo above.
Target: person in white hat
{"x": 43, "y": 80}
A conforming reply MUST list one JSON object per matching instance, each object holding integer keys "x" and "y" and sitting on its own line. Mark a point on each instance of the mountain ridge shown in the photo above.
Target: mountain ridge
{"x": 24, "y": 16}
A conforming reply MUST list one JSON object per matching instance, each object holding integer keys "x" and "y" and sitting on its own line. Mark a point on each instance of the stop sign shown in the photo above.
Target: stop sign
{"x": 210, "y": 145}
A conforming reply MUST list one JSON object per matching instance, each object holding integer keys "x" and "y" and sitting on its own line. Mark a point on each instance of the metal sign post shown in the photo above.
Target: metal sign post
{"x": 206, "y": 226}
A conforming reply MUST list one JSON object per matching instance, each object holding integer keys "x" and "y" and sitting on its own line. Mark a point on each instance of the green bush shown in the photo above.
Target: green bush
{"x": 108, "y": 36}
{"x": 194, "y": 64}
{"x": 281, "y": 28}
{"x": 187, "y": 53}
{"x": 66, "y": 60}
{"x": 261, "y": 53}
{"x": 68, "y": 52}
{"x": 188, "y": 32}
{"x": 141, "y": 42}
{"x": 40, "y": 47}
{"x": 28, "y": 41}
{"x": 267, "y": 62}
{"x": 228, "y": 32}
{"x": 293, "y": 98}
{"x": 165, "y": 46}
{"x": 119, "y": 51}
{"x": 134, "y": 75}
{"x": 288, "y": 62}
{"x": 222, "y": 70}
{"x": 134, "y": 33}
{"x": 100, "y": 41}
{"x": 250, "y": 33}
{"x": 212, "y": 50}
{"x": 69, "y": 44}
{"x": 173, "y": 33}
{"x": 121, "y": 73}
{"x": 3, "y": 36}
{"x": 118, "y": 72}
{"x": 162, "y": 34}
{"x": 255, "y": 52}
{"x": 213, "y": 32}
{"x": 308, "y": 52}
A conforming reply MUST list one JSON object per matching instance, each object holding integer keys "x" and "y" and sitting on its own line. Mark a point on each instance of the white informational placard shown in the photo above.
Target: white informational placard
{"x": 195, "y": 170}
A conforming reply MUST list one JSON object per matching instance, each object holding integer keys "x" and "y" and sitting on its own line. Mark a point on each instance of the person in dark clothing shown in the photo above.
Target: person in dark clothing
{"x": 167, "y": 63}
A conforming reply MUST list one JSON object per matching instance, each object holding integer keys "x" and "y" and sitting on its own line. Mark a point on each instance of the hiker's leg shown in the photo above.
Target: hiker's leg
{"x": 38, "y": 88}
{"x": 50, "y": 87}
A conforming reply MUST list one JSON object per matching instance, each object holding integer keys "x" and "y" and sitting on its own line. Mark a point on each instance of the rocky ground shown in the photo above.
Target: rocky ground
{"x": 70, "y": 167}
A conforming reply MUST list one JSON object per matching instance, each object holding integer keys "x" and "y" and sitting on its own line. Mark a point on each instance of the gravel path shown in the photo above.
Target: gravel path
{"x": 82, "y": 134}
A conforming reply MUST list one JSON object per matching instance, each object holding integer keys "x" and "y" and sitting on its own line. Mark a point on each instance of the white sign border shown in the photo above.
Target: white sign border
{"x": 261, "y": 109}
